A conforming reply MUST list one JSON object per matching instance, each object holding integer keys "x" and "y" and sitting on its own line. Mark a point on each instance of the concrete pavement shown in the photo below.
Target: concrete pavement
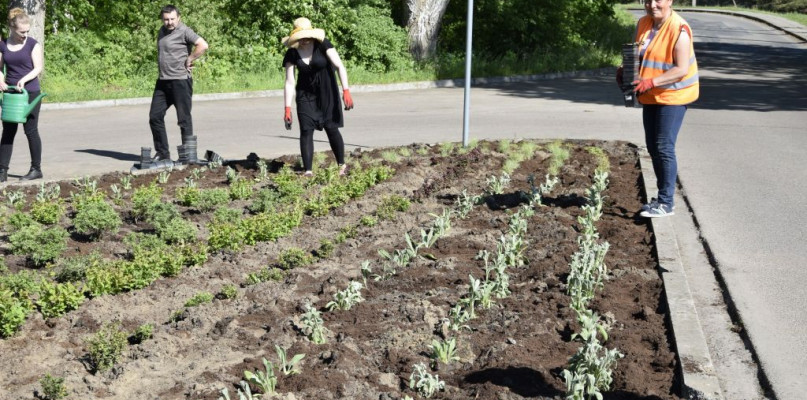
{"x": 739, "y": 155}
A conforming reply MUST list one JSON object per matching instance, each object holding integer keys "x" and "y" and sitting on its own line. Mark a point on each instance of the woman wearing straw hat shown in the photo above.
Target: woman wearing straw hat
{"x": 317, "y": 95}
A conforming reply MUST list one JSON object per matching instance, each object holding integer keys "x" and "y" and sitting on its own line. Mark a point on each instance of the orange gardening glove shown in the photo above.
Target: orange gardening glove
{"x": 348, "y": 99}
{"x": 643, "y": 85}
{"x": 287, "y": 118}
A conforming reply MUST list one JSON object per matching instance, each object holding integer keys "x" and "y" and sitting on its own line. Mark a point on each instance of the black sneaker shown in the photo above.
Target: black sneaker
{"x": 161, "y": 157}
{"x": 33, "y": 173}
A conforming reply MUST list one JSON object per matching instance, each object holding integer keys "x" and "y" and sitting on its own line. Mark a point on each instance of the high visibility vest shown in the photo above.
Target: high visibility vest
{"x": 658, "y": 58}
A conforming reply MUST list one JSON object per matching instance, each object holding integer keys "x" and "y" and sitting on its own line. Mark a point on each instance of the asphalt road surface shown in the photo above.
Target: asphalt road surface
{"x": 740, "y": 157}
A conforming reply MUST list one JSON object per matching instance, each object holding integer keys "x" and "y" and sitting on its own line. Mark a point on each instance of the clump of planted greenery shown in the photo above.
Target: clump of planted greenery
{"x": 293, "y": 258}
{"x": 288, "y": 365}
{"x": 227, "y": 292}
{"x": 603, "y": 163}
{"x": 53, "y": 387}
{"x": 94, "y": 218}
{"x": 558, "y": 156}
{"x": 337, "y": 192}
{"x": 74, "y": 269}
{"x": 211, "y": 199}
{"x": 424, "y": 382}
{"x": 144, "y": 199}
{"x": 56, "y": 299}
{"x": 313, "y": 326}
{"x": 265, "y": 275}
{"x": 347, "y": 298}
{"x": 14, "y": 309}
{"x": 106, "y": 347}
{"x": 199, "y": 299}
{"x": 48, "y": 208}
{"x": 325, "y": 249}
{"x": 444, "y": 351}
{"x": 40, "y": 245}
{"x": 390, "y": 205}
{"x": 169, "y": 224}
{"x": 142, "y": 333}
{"x": 265, "y": 380}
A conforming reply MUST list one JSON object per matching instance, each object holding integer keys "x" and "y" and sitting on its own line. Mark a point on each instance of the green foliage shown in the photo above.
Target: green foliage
{"x": 444, "y": 351}
{"x": 142, "y": 333}
{"x": 56, "y": 299}
{"x": 40, "y": 245}
{"x": 265, "y": 275}
{"x": 20, "y": 220}
{"x": 199, "y": 299}
{"x": 144, "y": 199}
{"x": 425, "y": 383}
{"x": 48, "y": 212}
{"x": 210, "y": 199}
{"x": 265, "y": 380}
{"x": 53, "y": 387}
{"x": 293, "y": 258}
{"x": 241, "y": 189}
{"x": 188, "y": 196}
{"x": 558, "y": 156}
{"x": 347, "y": 298}
{"x": 227, "y": 292}
{"x": 313, "y": 325}
{"x": 178, "y": 230}
{"x": 106, "y": 347}
{"x": 95, "y": 218}
{"x": 325, "y": 249}
{"x": 390, "y": 205}
{"x": 22, "y": 284}
{"x": 287, "y": 366}
{"x": 74, "y": 269}
{"x": 603, "y": 163}
{"x": 265, "y": 201}
{"x": 13, "y": 311}
{"x": 368, "y": 220}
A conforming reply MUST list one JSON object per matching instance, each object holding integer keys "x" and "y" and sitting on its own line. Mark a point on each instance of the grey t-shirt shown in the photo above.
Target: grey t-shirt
{"x": 173, "y": 49}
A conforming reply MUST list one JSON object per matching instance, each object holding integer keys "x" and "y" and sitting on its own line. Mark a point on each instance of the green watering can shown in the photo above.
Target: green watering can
{"x": 16, "y": 107}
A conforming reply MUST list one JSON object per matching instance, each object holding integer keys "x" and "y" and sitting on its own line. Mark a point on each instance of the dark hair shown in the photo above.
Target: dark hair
{"x": 168, "y": 9}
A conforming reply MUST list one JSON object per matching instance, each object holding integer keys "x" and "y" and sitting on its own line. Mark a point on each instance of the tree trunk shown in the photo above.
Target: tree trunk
{"x": 425, "y": 17}
{"x": 36, "y": 10}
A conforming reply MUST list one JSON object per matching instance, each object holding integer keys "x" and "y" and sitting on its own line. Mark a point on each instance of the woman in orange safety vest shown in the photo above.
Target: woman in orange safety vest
{"x": 668, "y": 82}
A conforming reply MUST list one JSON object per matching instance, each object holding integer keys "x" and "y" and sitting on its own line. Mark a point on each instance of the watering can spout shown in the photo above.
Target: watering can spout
{"x": 34, "y": 103}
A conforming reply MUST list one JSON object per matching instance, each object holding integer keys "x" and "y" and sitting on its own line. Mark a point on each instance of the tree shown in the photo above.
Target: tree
{"x": 424, "y": 18}
{"x": 36, "y": 10}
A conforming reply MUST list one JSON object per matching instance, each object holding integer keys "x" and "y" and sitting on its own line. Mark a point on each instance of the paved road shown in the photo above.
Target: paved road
{"x": 739, "y": 153}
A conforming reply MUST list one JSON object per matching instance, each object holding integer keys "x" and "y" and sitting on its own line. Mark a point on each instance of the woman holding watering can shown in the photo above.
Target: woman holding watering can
{"x": 22, "y": 59}
{"x": 317, "y": 96}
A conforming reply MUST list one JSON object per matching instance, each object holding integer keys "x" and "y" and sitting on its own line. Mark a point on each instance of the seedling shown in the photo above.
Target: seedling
{"x": 444, "y": 351}
{"x": 263, "y": 171}
{"x": 245, "y": 395}
{"x": 425, "y": 383}
{"x": 265, "y": 380}
{"x": 53, "y": 387}
{"x": 313, "y": 326}
{"x": 126, "y": 182}
{"x": 345, "y": 299}
{"x": 286, "y": 365}
{"x": 496, "y": 185}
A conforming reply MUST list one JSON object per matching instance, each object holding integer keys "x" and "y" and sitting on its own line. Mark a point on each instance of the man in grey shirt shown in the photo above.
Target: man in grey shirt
{"x": 178, "y": 46}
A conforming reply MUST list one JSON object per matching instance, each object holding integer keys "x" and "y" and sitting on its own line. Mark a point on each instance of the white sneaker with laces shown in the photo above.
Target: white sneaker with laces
{"x": 660, "y": 210}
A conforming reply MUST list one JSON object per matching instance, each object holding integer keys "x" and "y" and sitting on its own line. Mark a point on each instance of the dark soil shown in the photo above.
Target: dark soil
{"x": 515, "y": 350}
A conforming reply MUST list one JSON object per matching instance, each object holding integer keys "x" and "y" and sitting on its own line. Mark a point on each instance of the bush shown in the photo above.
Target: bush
{"x": 96, "y": 218}
{"x": 74, "y": 269}
{"x": 13, "y": 312}
{"x": 144, "y": 199}
{"x": 47, "y": 212}
{"x": 199, "y": 299}
{"x": 53, "y": 388}
{"x": 265, "y": 201}
{"x": 40, "y": 245}
{"x": 210, "y": 199}
{"x": 56, "y": 299}
{"x": 390, "y": 205}
{"x": 142, "y": 333}
{"x": 228, "y": 292}
{"x": 178, "y": 230}
{"x": 20, "y": 220}
{"x": 293, "y": 257}
{"x": 106, "y": 347}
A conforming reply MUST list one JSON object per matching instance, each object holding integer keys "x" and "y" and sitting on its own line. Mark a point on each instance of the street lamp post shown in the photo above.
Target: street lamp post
{"x": 466, "y": 113}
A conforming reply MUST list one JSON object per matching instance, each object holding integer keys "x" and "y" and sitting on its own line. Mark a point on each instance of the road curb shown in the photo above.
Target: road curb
{"x": 759, "y": 18}
{"x": 698, "y": 376}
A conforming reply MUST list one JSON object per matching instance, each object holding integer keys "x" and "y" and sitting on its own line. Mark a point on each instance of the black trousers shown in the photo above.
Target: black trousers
{"x": 307, "y": 146}
{"x": 31, "y": 128}
{"x": 167, "y": 93}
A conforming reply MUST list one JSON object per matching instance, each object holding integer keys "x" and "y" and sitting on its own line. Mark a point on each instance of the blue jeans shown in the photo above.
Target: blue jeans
{"x": 661, "y": 126}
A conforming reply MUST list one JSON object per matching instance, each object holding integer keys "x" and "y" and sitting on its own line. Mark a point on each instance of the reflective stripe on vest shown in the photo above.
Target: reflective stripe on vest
{"x": 659, "y": 58}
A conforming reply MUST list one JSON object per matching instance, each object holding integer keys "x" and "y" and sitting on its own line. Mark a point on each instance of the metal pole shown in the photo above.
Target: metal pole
{"x": 466, "y": 113}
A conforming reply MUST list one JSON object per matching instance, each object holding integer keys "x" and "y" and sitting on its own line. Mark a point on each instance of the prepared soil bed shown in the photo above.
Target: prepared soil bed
{"x": 515, "y": 349}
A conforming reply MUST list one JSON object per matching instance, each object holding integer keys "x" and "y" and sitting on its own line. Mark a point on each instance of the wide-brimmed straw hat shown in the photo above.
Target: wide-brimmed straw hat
{"x": 302, "y": 30}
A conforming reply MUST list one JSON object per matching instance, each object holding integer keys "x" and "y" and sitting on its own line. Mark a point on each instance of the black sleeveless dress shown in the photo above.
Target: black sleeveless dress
{"x": 318, "y": 102}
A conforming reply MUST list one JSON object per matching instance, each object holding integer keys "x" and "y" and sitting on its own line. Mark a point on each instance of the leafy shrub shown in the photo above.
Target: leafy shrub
{"x": 56, "y": 299}
{"x": 96, "y": 218}
{"x": 20, "y": 220}
{"x": 106, "y": 347}
{"x": 225, "y": 236}
{"x": 209, "y": 199}
{"x": 13, "y": 311}
{"x": 48, "y": 212}
{"x": 265, "y": 201}
{"x": 53, "y": 387}
{"x": 22, "y": 284}
{"x": 199, "y": 299}
{"x": 74, "y": 269}
{"x": 144, "y": 199}
{"x": 293, "y": 257}
{"x": 227, "y": 292}
{"x": 142, "y": 333}
{"x": 288, "y": 184}
{"x": 188, "y": 196}
{"x": 226, "y": 214}
{"x": 265, "y": 275}
{"x": 40, "y": 245}
{"x": 325, "y": 249}
{"x": 241, "y": 189}
{"x": 178, "y": 230}
{"x": 368, "y": 220}
{"x": 390, "y": 205}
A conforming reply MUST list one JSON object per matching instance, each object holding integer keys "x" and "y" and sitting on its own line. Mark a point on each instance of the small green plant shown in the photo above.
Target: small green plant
{"x": 346, "y": 299}
{"x": 106, "y": 347}
{"x": 558, "y": 157}
{"x": 199, "y": 299}
{"x": 265, "y": 380}
{"x": 144, "y": 198}
{"x": 40, "y": 245}
{"x": 465, "y": 203}
{"x": 20, "y": 220}
{"x": 263, "y": 171}
{"x": 14, "y": 199}
{"x": 56, "y": 299}
{"x": 53, "y": 387}
{"x": 142, "y": 333}
{"x": 390, "y": 156}
{"x": 444, "y": 351}
{"x": 265, "y": 275}
{"x": 368, "y": 221}
{"x": 117, "y": 194}
{"x": 294, "y": 258}
{"x": 126, "y": 182}
{"x": 287, "y": 367}
{"x": 265, "y": 201}
{"x": 496, "y": 185}
{"x": 313, "y": 326}
{"x": 447, "y": 148}
{"x": 227, "y": 292}
{"x": 325, "y": 249}
{"x": 188, "y": 196}
{"x": 504, "y": 145}
{"x": 13, "y": 312}
{"x": 48, "y": 211}
{"x": 425, "y": 383}
{"x": 163, "y": 177}
{"x": 457, "y": 317}
{"x": 210, "y": 199}
{"x": 97, "y": 218}
{"x": 246, "y": 394}
{"x": 591, "y": 367}
{"x": 241, "y": 189}
{"x": 231, "y": 174}
{"x": 603, "y": 163}
{"x": 390, "y": 205}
